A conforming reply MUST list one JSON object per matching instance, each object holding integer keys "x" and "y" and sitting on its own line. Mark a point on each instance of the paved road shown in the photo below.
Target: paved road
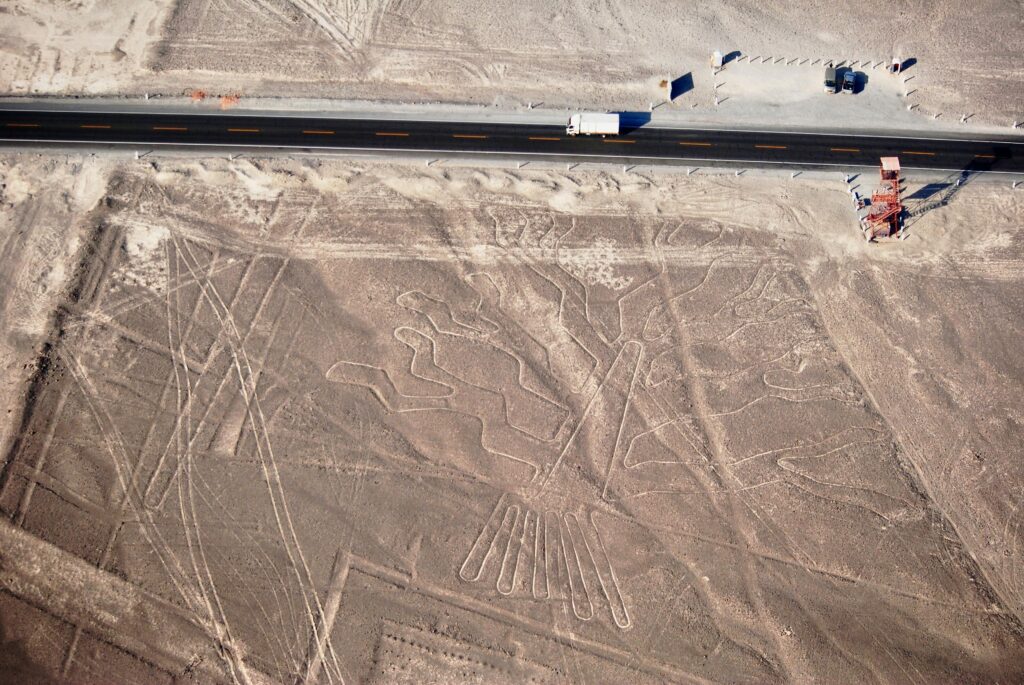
{"x": 637, "y": 143}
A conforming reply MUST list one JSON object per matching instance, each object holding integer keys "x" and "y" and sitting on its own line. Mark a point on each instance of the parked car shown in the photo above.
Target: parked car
{"x": 849, "y": 82}
{"x": 830, "y": 79}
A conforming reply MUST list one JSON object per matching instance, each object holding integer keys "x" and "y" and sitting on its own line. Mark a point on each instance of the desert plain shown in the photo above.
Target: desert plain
{"x": 280, "y": 418}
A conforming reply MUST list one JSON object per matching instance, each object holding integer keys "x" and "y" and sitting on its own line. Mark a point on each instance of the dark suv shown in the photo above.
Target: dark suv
{"x": 849, "y": 82}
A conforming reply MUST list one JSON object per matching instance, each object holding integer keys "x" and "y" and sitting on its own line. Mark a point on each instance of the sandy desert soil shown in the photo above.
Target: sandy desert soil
{"x": 567, "y": 53}
{"x": 40, "y": 228}
{"x": 353, "y": 422}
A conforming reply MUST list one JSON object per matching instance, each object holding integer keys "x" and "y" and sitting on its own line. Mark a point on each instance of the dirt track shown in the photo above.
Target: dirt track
{"x": 376, "y": 424}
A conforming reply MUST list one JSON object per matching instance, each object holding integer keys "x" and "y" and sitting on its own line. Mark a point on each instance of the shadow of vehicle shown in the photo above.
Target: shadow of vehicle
{"x": 907, "y": 63}
{"x": 681, "y": 85}
{"x": 631, "y": 121}
{"x": 841, "y": 73}
{"x": 731, "y": 57}
{"x": 860, "y": 82}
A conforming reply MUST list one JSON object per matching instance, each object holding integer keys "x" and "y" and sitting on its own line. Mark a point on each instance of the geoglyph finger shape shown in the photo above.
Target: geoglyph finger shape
{"x": 548, "y": 555}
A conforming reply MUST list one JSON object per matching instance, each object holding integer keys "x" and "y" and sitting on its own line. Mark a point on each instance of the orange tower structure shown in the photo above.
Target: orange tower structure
{"x": 886, "y": 207}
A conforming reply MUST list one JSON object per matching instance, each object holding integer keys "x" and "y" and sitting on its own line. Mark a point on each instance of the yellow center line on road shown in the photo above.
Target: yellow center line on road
{"x": 985, "y": 156}
{"x": 844, "y": 149}
{"x": 388, "y": 133}
{"x": 467, "y": 135}
{"x": 694, "y": 144}
{"x": 771, "y": 147}
{"x": 169, "y": 128}
{"x": 544, "y": 138}
{"x": 618, "y": 140}
{"x": 318, "y": 132}
{"x": 95, "y": 126}
{"x": 915, "y": 152}
{"x": 22, "y": 125}
{"x": 243, "y": 130}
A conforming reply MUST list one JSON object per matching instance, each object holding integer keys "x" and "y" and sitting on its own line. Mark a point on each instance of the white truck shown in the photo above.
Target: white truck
{"x": 593, "y": 124}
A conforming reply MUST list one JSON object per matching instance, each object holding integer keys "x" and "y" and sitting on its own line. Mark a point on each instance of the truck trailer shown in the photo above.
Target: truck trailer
{"x": 593, "y": 124}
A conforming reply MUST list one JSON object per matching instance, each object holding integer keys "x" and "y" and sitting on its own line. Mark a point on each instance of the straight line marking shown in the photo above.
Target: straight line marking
{"x": 986, "y": 156}
{"x": 914, "y": 152}
{"x": 619, "y": 140}
{"x": 543, "y": 138}
{"x": 95, "y": 126}
{"x": 398, "y": 135}
{"x": 22, "y": 125}
{"x": 243, "y": 130}
{"x": 169, "y": 128}
{"x": 693, "y": 144}
{"x": 467, "y": 135}
{"x": 771, "y": 147}
{"x": 844, "y": 149}
{"x": 318, "y": 132}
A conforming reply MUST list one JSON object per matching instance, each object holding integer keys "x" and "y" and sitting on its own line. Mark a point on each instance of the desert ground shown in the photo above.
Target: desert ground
{"x": 342, "y": 421}
{"x": 549, "y": 54}
{"x": 298, "y": 419}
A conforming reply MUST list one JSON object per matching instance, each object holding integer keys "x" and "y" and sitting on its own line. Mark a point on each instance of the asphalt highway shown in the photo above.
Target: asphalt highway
{"x": 635, "y": 144}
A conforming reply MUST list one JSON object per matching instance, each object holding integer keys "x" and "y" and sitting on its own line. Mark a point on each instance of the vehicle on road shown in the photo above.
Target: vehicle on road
{"x": 593, "y": 124}
{"x": 849, "y": 82}
{"x": 830, "y": 79}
